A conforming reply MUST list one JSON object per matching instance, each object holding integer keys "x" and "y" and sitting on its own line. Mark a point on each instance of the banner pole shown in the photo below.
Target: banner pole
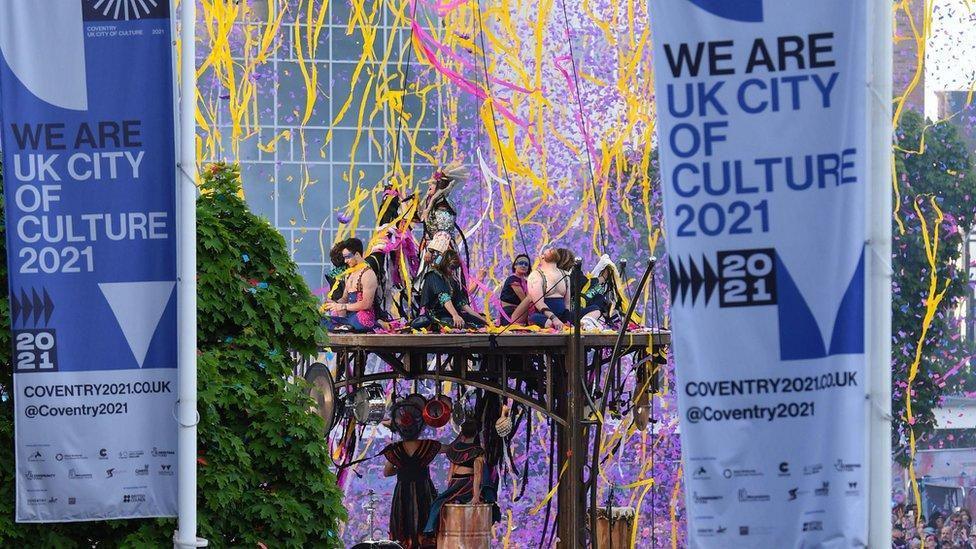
{"x": 880, "y": 25}
{"x": 186, "y": 534}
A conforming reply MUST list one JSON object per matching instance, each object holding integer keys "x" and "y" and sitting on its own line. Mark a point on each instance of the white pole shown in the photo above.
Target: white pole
{"x": 878, "y": 316}
{"x": 186, "y": 533}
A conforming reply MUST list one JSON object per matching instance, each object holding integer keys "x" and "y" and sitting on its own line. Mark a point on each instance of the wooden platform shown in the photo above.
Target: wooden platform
{"x": 477, "y": 340}
{"x": 543, "y": 371}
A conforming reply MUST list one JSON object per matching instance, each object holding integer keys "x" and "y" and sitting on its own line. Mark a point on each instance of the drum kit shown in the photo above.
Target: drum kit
{"x": 370, "y": 542}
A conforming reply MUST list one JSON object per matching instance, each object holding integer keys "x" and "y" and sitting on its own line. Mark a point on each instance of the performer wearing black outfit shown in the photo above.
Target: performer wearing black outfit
{"x": 445, "y": 298}
{"x": 410, "y": 461}
{"x": 515, "y": 291}
{"x": 465, "y": 480}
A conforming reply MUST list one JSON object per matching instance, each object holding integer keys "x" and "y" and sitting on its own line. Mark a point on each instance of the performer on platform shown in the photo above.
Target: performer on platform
{"x": 599, "y": 296}
{"x": 334, "y": 278}
{"x": 355, "y": 309}
{"x": 410, "y": 461}
{"x": 467, "y": 459}
{"x": 516, "y": 305}
{"x": 445, "y": 297}
{"x": 438, "y": 218}
{"x": 436, "y": 211}
{"x": 549, "y": 289}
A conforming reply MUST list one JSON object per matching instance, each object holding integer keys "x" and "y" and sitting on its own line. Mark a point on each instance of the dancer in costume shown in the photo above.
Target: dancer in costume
{"x": 334, "y": 278}
{"x": 599, "y": 296}
{"x": 467, "y": 459}
{"x": 355, "y": 309}
{"x": 438, "y": 216}
{"x": 516, "y": 305}
{"x": 549, "y": 289}
{"x": 410, "y": 461}
{"x": 436, "y": 212}
{"x": 445, "y": 298}
{"x": 393, "y": 255}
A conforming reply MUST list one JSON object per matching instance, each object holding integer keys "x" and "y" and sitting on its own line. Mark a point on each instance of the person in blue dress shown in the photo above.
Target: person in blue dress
{"x": 466, "y": 478}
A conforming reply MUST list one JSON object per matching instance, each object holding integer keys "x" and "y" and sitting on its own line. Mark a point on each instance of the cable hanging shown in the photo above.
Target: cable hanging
{"x": 404, "y": 84}
{"x": 494, "y": 123}
{"x": 586, "y": 138}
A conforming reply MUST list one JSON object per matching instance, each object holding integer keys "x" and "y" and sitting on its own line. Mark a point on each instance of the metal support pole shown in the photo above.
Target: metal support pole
{"x": 572, "y": 506}
{"x": 186, "y": 534}
{"x": 878, "y": 337}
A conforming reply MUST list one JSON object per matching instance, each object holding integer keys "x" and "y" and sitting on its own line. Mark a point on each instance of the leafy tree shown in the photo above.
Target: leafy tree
{"x": 263, "y": 465}
{"x": 941, "y": 169}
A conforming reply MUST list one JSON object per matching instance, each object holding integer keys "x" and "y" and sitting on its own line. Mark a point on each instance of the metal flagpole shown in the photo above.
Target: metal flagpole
{"x": 186, "y": 533}
{"x": 880, "y": 24}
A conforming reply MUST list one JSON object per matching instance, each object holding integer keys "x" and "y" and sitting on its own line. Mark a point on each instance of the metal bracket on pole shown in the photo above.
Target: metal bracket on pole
{"x": 200, "y": 542}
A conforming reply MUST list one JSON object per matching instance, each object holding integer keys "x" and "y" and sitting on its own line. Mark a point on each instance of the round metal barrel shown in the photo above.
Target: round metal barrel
{"x": 465, "y": 527}
{"x": 614, "y": 531}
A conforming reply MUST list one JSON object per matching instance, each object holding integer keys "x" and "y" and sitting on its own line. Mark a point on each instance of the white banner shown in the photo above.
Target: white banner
{"x": 763, "y": 140}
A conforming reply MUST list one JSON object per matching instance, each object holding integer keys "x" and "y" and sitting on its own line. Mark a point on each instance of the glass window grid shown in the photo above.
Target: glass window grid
{"x": 277, "y": 202}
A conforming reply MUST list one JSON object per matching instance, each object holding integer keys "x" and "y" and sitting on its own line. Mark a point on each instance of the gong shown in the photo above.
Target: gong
{"x": 321, "y": 388}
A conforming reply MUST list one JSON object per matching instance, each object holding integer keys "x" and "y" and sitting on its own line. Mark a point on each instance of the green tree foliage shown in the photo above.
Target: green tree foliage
{"x": 942, "y": 170}
{"x": 263, "y": 465}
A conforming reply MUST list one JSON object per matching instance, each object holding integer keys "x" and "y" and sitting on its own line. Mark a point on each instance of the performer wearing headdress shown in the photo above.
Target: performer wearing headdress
{"x": 410, "y": 461}
{"x": 599, "y": 293}
{"x": 445, "y": 298}
{"x": 392, "y": 254}
{"x": 467, "y": 459}
{"x": 436, "y": 212}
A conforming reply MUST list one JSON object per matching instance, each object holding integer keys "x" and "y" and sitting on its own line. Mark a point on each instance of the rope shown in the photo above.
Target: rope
{"x": 586, "y": 137}
{"x": 552, "y": 462}
{"x": 406, "y": 78}
{"x": 494, "y": 123}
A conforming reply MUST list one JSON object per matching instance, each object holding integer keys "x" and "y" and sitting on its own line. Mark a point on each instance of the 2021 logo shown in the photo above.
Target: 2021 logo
{"x": 124, "y": 10}
{"x": 746, "y": 11}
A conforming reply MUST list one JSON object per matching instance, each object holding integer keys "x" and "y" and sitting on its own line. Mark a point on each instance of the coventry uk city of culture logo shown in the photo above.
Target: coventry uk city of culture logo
{"x": 745, "y": 11}
{"x": 125, "y": 10}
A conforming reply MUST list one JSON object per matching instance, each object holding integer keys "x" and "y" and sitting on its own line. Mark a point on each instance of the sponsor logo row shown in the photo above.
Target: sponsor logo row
{"x": 72, "y": 500}
{"x": 792, "y": 494}
{"x": 41, "y": 456}
{"x": 164, "y": 470}
{"x": 749, "y": 530}
{"x": 784, "y": 469}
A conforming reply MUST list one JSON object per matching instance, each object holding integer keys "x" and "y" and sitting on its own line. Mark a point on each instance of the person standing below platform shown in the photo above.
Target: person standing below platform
{"x": 355, "y": 309}
{"x": 549, "y": 290}
{"x": 467, "y": 459}
{"x": 410, "y": 461}
{"x": 516, "y": 306}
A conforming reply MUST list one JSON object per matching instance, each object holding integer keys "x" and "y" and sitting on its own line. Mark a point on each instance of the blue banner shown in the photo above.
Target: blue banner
{"x": 87, "y": 116}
